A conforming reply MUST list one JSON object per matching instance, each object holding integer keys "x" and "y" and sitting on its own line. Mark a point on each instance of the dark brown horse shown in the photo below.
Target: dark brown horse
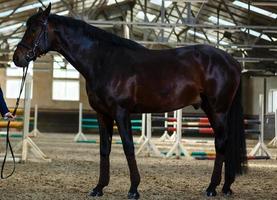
{"x": 123, "y": 77}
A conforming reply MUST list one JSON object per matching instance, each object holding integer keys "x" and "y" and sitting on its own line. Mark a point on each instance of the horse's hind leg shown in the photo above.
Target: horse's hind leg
{"x": 219, "y": 127}
{"x": 125, "y": 131}
{"x": 235, "y": 158}
{"x": 218, "y": 123}
{"x": 229, "y": 179}
{"x": 106, "y": 132}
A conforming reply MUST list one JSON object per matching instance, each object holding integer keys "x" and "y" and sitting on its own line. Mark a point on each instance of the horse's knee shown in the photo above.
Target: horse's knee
{"x": 105, "y": 152}
{"x": 129, "y": 151}
{"x": 220, "y": 145}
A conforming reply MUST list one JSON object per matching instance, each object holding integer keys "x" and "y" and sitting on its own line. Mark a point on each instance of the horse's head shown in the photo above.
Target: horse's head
{"x": 35, "y": 40}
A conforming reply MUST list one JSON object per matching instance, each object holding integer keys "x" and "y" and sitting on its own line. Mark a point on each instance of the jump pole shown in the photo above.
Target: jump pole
{"x": 35, "y": 132}
{"x": 165, "y": 136}
{"x": 178, "y": 148}
{"x": 260, "y": 149}
{"x": 148, "y": 144}
{"x": 143, "y": 136}
{"x": 173, "y": 136}
{"x": 27, "y": 142}
{"x": 80, "y": 135}
{"x": 273, "y": 142}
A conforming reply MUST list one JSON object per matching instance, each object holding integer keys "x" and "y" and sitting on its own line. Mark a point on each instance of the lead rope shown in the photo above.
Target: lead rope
{"x": 8, "y": 143}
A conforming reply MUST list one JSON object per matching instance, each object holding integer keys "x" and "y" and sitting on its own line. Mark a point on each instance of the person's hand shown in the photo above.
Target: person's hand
{"x": 9, "y": 116}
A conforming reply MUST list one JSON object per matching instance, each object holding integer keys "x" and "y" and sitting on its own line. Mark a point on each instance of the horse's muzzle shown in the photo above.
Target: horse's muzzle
{"x": 19, "y": 59}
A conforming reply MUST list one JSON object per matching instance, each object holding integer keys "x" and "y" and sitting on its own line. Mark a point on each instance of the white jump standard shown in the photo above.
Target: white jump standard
{"x": 178, "y": 148}
{"x": 165, "y": 136}
{"x": 143, "y": 125}
{"x": 148, "y": 144}
{"x": 35, "y": 132}
{"x": 27, "y": 141}
{"x": 260, "y": 149}
{"x": 273, "y": 142}
{"x": 80, "y": 135}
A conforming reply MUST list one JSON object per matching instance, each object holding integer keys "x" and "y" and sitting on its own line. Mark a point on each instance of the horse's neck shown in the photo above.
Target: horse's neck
{"x": 65, "y": 43}
{"x": 83, "y": 51}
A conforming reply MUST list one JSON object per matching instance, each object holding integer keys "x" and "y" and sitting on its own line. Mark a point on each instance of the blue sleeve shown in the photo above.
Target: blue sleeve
{"x": 3, "y": 106}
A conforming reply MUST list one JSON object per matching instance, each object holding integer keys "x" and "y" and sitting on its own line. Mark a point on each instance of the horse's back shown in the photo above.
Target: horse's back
{"x": 209, "y": 56}
{"x": 163, "y": 80}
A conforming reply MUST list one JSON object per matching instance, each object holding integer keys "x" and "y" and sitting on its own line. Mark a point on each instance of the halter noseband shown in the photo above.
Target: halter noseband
{"x": 31, "y": 54}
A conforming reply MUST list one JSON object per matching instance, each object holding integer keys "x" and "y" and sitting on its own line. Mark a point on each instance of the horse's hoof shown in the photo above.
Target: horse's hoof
{"x": 227, "y": 192}
{"x": 133, "y": 195}
{"x": 211, "y": 193}
{"x": 96, "y": 193}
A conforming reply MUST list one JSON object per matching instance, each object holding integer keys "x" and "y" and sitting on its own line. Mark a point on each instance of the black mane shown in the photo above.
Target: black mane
{"x": 95, "y": 32}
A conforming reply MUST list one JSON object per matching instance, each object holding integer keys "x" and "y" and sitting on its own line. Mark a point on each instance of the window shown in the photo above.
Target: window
{"x": 66, "y": 85}
{"x": 272, "y": 100}
{"x": 13, "y": 83}
{"x": 62, "y": 69}
{"x": 66, "y": 90}
{"x": 15, "y": 71}
{"x": 13, "y": 89}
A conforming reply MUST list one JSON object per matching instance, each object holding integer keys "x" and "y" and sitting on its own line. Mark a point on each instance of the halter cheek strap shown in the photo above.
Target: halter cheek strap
{"x": 31, "y": 54}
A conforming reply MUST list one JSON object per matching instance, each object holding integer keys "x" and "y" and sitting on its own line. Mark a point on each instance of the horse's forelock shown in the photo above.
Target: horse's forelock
{"x": 35, "y": 17}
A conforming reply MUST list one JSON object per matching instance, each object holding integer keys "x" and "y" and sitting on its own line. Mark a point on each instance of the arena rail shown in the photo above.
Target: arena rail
{"x": 198, "y": 125}
{"x": 27, "y": 143}
{"x": 18, "y": 124}
{"x": 92, "y": 123}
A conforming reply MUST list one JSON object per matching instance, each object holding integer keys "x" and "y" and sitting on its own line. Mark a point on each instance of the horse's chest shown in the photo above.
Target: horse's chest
{"x": 97, "y": 98}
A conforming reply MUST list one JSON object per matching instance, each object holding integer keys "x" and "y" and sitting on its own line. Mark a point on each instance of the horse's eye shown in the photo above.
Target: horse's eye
{"x": 33, "y": 30}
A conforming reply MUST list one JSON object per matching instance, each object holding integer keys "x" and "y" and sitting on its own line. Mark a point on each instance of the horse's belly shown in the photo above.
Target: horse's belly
{"x": 166, "y": 100}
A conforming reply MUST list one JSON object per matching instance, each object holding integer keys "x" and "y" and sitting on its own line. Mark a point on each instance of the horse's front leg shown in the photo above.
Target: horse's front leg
{"x": 125, "y": 131}
{"x": 106, "y": 132}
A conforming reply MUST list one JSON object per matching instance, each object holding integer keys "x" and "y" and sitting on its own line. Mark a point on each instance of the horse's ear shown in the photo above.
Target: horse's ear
{"x": 40, "y": 10}
{"x": 46, "y": 12}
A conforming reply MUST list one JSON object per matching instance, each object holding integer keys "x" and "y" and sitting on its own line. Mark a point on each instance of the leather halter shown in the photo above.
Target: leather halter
{"x": 31, "y": 54}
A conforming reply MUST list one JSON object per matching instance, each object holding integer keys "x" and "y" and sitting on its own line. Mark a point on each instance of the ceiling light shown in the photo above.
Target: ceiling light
{"x": 255, "y": 9}
{"x": 63, "y": 12}
{"x": 27, "y": 7}
{"x": 221, "y": 21}
{"x": 10, "y": 27}
{"x": 264, "y": 3}
{"x": 201, "y": 35}
{"x": 159, "y": 3}
{"x": 110, "y": 2}
{"x": 257, "y": 34}
{"x": 251, "y": 32}
{"x": 150, "y": 17}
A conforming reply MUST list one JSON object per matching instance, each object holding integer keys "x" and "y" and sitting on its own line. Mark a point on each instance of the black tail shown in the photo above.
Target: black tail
{"x": 236, "y": 155}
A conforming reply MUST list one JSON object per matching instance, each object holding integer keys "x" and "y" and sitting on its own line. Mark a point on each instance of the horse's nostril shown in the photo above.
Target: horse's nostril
{"x": 15, "y": 58}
